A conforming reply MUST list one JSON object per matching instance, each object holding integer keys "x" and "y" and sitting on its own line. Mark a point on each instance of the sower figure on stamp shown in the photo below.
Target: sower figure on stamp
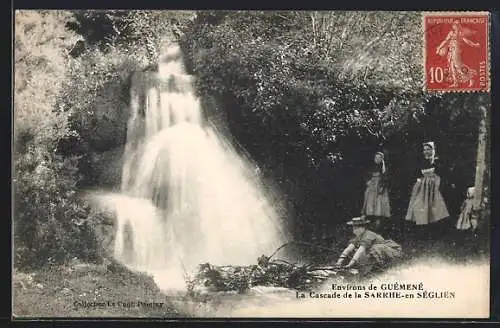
{"x": 427, "y": 204}
{"x": 458, "y": 71}
{"x": 376, "y": 204}
{"x": 368, "y": 251}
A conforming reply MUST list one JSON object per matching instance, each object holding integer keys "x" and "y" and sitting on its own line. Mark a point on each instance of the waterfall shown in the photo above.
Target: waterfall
{"x": 187, "y": 195}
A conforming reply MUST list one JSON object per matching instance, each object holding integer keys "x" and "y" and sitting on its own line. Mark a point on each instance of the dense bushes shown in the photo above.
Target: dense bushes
{"x": 313, "y": 95}
{"x": 281, "y": 66}
{"x": 45, "y": 204}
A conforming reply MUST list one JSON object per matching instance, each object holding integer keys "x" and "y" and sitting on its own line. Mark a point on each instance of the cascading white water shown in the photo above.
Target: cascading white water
{"x": 187, "y": 196}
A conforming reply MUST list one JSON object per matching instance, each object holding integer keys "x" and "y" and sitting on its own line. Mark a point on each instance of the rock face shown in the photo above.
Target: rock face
{"x": 106, "y": 168}
{"x": 108, "y": 128}
{"x": 104, "y": 134}
{"x": 102, "y": 224}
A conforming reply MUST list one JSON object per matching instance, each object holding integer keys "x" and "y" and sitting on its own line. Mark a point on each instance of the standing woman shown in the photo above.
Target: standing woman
{"x": 427, "y": 205}
{"x": 376, "y": 201}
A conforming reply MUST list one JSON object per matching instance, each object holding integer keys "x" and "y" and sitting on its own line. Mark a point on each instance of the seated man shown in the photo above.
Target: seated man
{"x": 371, "y": 251}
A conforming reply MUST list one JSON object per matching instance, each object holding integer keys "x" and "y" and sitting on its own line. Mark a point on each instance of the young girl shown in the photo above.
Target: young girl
{"x": 465, "y": 220}
{"x": 371, "y": 252}
{"x": 376, "y": 201}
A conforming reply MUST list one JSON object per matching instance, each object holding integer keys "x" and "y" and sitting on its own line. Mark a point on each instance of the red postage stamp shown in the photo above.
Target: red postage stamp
{"x": 456, "y": 46}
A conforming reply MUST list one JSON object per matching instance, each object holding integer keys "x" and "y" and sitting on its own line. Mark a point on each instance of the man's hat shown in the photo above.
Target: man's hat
{"x": 358, "y": 221}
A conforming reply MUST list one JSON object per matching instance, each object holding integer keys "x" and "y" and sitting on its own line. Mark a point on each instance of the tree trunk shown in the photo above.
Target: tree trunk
{"x": 480, "y": 159}
{"x": 313, "y": 21}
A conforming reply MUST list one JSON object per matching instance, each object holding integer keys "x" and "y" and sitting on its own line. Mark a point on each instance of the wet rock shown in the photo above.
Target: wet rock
{"x": 111, "y": 112}
{"x": 105, "y": 235}
{"x": 102, "y": 224}
{"x": 106, "y": 167}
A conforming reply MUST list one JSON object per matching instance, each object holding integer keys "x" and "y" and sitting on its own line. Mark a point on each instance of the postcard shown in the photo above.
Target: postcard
{"x": 251, "y": 164}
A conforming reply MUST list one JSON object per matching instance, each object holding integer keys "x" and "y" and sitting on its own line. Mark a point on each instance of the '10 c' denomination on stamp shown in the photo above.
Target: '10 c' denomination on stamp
{"x": 456, "y": 46}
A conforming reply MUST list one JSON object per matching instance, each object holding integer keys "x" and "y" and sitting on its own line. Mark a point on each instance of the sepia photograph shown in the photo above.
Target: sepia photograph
{"x": 251, "y": 164}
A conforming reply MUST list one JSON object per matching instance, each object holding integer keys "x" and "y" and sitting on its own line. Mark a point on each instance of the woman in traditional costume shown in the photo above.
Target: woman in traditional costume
{"x": 376, "y": 204}
{"x": 427, "y": 204}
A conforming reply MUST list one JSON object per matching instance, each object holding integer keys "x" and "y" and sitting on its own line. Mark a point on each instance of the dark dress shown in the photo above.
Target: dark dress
{"x": 427, "y": 204}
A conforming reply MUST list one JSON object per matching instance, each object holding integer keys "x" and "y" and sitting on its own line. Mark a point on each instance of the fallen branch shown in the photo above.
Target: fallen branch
{"x": 267, "y": 272}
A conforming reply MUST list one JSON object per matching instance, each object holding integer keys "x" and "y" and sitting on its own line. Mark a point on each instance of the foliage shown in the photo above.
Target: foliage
{"x": 312, "y": 95}
{"x": 97, "y": 90}
{"x": 45, "y": 205}
{"x": 145, "y": 29}
{"x": 329, "y": 74}
{"x": 41, "y": 45}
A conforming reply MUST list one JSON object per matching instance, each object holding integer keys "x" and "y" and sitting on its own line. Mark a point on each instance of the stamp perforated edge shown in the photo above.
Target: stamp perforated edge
{"x": 424, "y": 14}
